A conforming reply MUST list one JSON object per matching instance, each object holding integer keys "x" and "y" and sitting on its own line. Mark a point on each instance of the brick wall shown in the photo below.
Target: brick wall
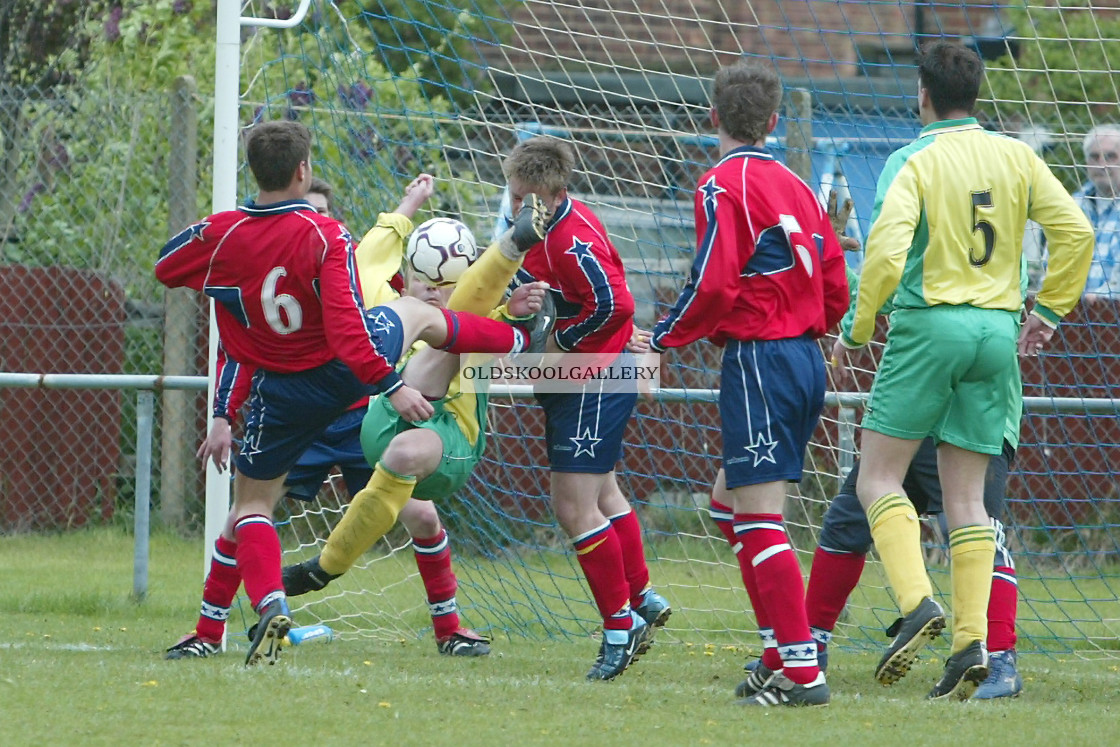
{"x": 806, "y": 37}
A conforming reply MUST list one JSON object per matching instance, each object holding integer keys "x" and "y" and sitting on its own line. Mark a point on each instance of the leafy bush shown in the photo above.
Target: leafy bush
{"x": 1062, "y": 79}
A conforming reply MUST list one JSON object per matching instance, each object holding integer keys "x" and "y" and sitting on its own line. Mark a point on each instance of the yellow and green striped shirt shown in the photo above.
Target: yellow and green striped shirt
{"x": 947, "y": 228}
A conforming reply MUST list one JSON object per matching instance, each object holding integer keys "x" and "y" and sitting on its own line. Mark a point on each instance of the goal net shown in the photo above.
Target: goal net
{"x": 394, "y": 88}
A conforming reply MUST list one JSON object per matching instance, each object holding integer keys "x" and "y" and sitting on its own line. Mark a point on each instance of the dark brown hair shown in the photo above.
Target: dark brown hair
{"x": 744, "y": 95}
{"x": 275, "y": 150}
{"x": 951, "y": 72}
{"x": 324, "y": 188}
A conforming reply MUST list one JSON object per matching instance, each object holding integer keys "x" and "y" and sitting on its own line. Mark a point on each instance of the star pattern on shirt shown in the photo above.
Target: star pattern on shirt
{"x": 580, "y": 249}
{"x": 197, "y": 230}
{"x": 585, "y": 444}
{"x": 711, "y": 190}
{"x": 762, "y": 449}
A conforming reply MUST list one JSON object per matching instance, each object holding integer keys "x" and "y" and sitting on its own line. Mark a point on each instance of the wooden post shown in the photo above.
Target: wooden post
{"x": 178, "y": 471}
{"x": 799, "y": 134}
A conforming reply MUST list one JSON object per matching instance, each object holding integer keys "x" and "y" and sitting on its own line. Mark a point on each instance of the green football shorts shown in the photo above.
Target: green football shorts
{"x": 382, "y": 423}
{"x": 946, "y": 372}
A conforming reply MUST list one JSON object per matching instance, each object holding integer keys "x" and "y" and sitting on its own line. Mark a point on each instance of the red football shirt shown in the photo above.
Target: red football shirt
{"x": 285, "y": 285}
{"x": 581, "y": 265}
{"x": 768, "y": 265}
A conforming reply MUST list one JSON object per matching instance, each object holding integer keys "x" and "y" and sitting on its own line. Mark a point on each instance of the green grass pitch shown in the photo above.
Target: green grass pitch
{"x": 81, "y": 663}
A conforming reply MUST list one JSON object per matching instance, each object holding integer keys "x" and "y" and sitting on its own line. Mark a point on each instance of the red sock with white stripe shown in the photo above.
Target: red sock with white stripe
{"x": 218, "y": 591}
{"x": 1002, "y": 609}
{"x": 470, "y": 333}
{"x": 723, "y": 516}
{"x": 600, "y": 556}
{"x": 831, "y": 581}
{"x": 629, "y": 533}
{"x": 258, "y": 558}
{"x": 781, "y": 591}
{"x": 433, "y": 560}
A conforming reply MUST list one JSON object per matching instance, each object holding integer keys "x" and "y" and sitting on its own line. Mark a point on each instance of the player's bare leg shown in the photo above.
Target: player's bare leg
{"x": 410, "y": 457}
{"x": 459, "y": 332}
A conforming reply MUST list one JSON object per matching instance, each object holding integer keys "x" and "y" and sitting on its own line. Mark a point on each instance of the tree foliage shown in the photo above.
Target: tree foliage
{"x": 94, "y": 151}
{"x": 1063, "y": 79}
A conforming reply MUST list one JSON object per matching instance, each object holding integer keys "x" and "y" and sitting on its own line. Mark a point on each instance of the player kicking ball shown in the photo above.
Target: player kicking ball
{"x": 340, "y": 444}
{"x": 433, "y": 459}
{"x": 288, "y": 304}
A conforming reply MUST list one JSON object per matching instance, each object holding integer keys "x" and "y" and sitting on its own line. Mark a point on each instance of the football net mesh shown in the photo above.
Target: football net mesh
{"x": 394, "y": 88}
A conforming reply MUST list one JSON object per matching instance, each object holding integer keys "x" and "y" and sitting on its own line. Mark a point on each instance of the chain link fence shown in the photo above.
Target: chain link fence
{"x": 92, "y": 189}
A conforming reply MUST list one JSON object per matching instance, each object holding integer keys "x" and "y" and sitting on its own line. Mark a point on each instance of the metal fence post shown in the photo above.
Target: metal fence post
{"x": 145, "y": 413}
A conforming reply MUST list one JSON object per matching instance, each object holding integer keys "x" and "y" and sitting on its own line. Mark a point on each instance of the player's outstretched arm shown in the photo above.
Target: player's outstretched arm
{"x": 416, "y": 194}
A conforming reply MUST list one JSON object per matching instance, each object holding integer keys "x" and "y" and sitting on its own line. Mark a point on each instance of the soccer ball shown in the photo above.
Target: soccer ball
{"x": 440, "y": 250}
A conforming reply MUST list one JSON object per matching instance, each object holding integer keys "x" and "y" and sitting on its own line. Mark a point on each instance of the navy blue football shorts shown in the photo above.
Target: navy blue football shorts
{"x": 286, "y": 413}
{"x": 583, "y": 430}
{"x": 340, "y": 445}
{"x": 770, "y": 399}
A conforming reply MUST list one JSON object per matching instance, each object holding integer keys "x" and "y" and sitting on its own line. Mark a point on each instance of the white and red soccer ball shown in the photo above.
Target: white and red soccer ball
{"x": 440, "y": 250}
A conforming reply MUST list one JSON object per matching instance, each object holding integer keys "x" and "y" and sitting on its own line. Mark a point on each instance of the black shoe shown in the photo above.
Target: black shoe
{"x": 306, "y": 576}
{"x": 269, "y": 633}
{"x": 464, "y": 642}
{"x": 758, "y": 678}
{"x": 613, "y": 658}
{"x": 654, "y": 609}
{"x": 964, "y": 672}
{"x": 782, "y": 691}
{"x": 193, "y": 647}
{"x": 536, "y": 328}
{"x": 911, "y": 633}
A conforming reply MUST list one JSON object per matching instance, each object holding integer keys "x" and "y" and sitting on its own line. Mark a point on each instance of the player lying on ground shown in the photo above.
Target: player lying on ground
{"x": 288, "y": 304}
{"x": 339, "y": 445}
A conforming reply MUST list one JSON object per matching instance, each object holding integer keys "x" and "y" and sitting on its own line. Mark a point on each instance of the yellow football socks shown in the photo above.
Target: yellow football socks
{"x": 972, "y": 550}
{"x": 484, "y": 284}
{"x": 898, "y": 540}
{"x": 371, "y": 514}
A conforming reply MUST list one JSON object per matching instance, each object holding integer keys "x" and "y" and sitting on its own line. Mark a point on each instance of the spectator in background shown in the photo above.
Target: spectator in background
{"x": 1100, "y": 199}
